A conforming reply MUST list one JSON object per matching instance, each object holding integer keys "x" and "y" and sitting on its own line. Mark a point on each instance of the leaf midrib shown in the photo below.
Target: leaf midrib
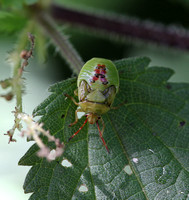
{"x": 127, "y": 157}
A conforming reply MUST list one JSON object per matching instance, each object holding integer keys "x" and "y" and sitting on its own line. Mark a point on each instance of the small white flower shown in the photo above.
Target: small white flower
{"x": 33, "y": 130}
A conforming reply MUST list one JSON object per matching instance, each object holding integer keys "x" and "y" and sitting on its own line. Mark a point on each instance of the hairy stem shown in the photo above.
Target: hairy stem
{"x": 15, "y": 57}
{"x": 16, "y": 82}
{"x": 66, "y": 49}
{"x": 124, "y": 27}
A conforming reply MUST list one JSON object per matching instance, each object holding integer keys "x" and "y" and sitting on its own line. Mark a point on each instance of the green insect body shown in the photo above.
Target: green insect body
{"x": 98, "y": 83}
{"x": 106, "y": 71}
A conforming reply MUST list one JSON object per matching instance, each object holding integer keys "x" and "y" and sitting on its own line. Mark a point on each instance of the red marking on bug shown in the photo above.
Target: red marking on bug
{"x": 103, "y": 71}
{"x": 95, "y": 78}
{"x": 100, "y": 71}
{"x": 97, "y": 71}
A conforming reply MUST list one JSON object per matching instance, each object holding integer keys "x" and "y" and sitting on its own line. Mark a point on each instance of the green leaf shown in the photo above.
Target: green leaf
{"x": 11, "y": 22}
{"x": 30, "y": 2}
{"x": 147, "y": 137}
{"x": 7, "y": 4}
{"x": 18, "y": 4}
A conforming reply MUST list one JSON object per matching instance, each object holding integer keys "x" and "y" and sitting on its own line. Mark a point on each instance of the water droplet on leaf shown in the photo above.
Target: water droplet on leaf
{"x": 66, "y": 163}
{"x": 151, "y": 150}
{"x": 83, "y": 188}
{"x": 128, "y": 170}
{"x": 135, "y": 160}
{"x": 163, "y": 175}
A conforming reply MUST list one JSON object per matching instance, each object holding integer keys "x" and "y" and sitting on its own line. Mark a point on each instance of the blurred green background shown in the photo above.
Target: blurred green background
{"x": 40, "y": 76}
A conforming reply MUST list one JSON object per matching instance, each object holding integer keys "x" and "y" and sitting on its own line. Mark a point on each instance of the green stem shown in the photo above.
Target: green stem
{"x": 17, "y": 85}
{"x": 17, "y": 81}
{"x": 21, "y": 45}
{"x": 66, "y": 49}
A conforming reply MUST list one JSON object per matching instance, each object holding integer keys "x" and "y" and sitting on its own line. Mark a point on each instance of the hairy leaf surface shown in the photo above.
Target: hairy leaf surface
{"x": 148, "y": 139}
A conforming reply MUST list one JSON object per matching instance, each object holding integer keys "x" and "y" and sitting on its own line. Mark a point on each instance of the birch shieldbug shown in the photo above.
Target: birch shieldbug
{"x": 97, "y": 85}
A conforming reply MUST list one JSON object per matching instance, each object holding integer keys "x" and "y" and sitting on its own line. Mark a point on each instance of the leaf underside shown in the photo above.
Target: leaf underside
{"x": 148, "y": 139}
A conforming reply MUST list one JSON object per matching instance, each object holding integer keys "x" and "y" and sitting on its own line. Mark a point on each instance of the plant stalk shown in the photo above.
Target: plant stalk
{"x": 61, "y": 41}
{"x": 124, "y": 27}
{"x": 17, "y": 79}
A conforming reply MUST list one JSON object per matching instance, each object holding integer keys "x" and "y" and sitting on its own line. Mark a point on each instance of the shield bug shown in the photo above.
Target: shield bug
{"x": 97, "y": 85}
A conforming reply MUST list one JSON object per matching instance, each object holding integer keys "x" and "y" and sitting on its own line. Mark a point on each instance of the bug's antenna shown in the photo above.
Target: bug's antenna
{"x": 78, "y": 130}
{"x": 102, "y": 137}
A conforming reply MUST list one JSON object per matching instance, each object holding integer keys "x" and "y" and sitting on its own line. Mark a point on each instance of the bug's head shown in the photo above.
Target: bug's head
{"x": 92, "y": 118}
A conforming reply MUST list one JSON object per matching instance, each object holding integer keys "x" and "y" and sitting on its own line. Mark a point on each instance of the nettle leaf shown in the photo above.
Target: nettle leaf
{"x": 148, "y": 139}
{"x": 11, "y": 22}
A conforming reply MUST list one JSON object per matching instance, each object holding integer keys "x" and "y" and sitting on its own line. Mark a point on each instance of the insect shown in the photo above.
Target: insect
{"x": 98, "y": 83}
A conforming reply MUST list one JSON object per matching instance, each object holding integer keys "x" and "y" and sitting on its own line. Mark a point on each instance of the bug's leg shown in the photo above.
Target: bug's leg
{"x": 103, "y": 125}
{"x": 76, "y": 92}
{"x": 78, "y": 130}
{"x": 100, "y": 133}
{"x": 76, "y": 117}
{"x": 66, "y": 95}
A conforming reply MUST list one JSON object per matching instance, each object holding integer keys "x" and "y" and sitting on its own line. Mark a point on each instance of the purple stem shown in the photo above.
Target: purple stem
{"x": 124, "y": 27}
